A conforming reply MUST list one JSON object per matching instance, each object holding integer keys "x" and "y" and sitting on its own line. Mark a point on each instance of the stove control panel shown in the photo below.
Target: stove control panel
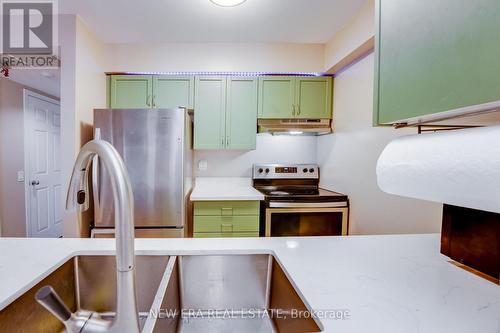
{"x": 280, "y": 171}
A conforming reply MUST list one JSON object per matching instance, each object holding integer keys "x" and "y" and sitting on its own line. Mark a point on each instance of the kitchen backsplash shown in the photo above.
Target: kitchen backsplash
{"x": 270, "y": 149}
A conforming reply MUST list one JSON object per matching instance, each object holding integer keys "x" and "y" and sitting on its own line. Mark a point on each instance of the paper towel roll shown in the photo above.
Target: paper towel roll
{"x": 460, "y": 167}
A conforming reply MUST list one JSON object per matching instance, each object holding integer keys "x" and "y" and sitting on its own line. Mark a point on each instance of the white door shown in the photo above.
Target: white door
{"x": 42, "y": 123}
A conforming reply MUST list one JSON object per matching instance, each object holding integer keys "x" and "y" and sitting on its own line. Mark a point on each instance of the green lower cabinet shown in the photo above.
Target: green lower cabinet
{"x": 226, "y": 223}
{"x": 225, "y": 235}
{"x": 226, "y": 219}
{"x": 226, "y": 208}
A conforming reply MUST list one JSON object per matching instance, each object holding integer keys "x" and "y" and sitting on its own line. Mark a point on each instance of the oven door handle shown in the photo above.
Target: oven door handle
{"x": 283, "y": 204}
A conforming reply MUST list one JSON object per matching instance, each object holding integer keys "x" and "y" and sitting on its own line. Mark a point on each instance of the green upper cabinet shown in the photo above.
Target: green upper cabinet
{"x": 276, "y": 97}
{"x": 209, "y": 114}
{"x": 241, "y": 113}
{"x": 147, "y": 91}
{"x": 313, "y": 97}
{"x": 435, "y": 56}
{"x": 225, "y": 115}
{"x": 295, "y": 97}
{"x": 131, "y": 91}
{"x": 173, "y": 91}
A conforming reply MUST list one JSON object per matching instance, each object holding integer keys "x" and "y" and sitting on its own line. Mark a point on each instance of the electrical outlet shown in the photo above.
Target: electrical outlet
{"x": 202, "y": 165}
{"x": 20, "y": 176}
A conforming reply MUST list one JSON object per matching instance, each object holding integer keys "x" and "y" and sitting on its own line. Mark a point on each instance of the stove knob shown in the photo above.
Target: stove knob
{"x": 267, "y": 170}
{"x": 305, "y": 170}
{"x": 261, "y": 170}
{"x": 311, "y": 170}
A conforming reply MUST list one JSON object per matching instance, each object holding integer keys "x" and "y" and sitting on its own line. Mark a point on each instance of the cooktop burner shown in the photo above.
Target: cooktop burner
{"x": 292, "y": 183}
{"x": 300, "y": 194}
{"x": 279, "y": 193}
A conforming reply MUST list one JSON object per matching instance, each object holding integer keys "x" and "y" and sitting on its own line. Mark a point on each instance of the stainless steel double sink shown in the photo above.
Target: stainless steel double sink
{"x": 187, "y": 293}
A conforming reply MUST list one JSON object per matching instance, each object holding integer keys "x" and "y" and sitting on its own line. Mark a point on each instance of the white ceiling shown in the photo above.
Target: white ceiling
{"x": 161, "y": 21}
{"x": 45, "y": 80}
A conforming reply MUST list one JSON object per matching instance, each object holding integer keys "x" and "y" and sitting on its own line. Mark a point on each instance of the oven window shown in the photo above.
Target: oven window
{"x": 306, "y": 224}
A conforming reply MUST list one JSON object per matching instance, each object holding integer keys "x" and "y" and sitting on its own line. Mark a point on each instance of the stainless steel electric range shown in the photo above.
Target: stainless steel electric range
{"x": 294, "y": 203}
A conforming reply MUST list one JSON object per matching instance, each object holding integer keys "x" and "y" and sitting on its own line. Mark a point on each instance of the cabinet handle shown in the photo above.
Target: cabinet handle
{"x": 226, "y": 227}
{"x": 154, "y": 101}
{"x": 298, "y": 109}
{"x": 227, "y": 142}
{"x": 293, "y": 109}
{"x": 148, "y": 100}
{"x": 222, "y": 142}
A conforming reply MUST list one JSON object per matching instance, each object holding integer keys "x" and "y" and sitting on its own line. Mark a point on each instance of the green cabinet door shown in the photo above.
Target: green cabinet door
{"x": 173, "y": 91}
{"x": 313, "y": 97}
{"x": 131, "y": 91}
{"x": 209, "y": 114}
{"x": 434, "y": 56}
{"x": 276, "y": 97}
{"x": 241, "y": 113}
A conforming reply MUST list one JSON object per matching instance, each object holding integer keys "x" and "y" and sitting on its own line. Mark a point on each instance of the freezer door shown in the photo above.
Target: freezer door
{"x": 151, "y": 143}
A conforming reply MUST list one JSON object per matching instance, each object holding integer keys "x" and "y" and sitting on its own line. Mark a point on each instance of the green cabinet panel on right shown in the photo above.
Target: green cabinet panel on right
{"x": 435, "y": 56}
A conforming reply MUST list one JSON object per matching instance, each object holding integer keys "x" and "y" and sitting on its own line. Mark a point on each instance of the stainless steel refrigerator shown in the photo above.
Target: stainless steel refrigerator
{"x": 156, "y": 146}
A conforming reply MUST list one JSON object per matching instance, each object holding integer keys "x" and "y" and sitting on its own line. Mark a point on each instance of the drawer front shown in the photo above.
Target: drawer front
{"x": 226, "y": 208}
{"x": 224, "y": 235}
{"x": 226, "y": 224}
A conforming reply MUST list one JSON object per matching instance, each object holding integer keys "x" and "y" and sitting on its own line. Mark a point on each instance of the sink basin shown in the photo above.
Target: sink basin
{"x": 83, "y": 282}
{"x": 188, "y": 293}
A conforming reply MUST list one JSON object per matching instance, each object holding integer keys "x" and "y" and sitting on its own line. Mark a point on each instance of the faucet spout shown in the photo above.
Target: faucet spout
{"x": 126, "y": 320}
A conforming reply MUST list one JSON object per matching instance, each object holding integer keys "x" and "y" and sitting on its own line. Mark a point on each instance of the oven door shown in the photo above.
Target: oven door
{"x": 306, "y": 221}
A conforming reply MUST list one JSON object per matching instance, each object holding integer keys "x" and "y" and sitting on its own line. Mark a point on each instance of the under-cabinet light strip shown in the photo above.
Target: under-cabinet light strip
{"x": 223, "y": 73}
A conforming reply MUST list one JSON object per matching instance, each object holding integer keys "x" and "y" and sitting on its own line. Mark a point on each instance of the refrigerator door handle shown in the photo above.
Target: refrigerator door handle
{"x": 95, "y": 181}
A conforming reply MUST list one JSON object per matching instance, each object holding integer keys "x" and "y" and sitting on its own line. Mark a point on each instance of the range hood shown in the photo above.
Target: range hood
{"x": 295, "y": 126}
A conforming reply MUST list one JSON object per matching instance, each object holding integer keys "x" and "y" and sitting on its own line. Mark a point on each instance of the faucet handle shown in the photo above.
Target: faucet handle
{"x": 51, "y": 301}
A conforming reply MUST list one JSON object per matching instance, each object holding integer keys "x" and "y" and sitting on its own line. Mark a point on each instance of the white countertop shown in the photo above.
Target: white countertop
{"x": 387, "y": 283}
{"x": 224, "y": 188}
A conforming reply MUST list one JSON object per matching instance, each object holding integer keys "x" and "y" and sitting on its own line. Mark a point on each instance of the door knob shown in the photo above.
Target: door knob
{"x": 35, "y": 182}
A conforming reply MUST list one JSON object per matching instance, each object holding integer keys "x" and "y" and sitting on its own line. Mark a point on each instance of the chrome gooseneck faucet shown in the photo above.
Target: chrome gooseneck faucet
{"x": 126, "y": 320}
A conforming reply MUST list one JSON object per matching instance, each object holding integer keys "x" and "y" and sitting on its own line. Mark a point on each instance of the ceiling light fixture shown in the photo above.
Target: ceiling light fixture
{"x": 228, "y": 3}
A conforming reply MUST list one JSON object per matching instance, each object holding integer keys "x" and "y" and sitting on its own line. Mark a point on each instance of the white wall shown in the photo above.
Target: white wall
{"x": 12, "y": 192}
{"x": 235, "y": 57}
{"x": 83, "y": 88}
{"x": 348, "y": 159}
{"x": 270, "y": 149}
{"x": 359, "y": 30}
